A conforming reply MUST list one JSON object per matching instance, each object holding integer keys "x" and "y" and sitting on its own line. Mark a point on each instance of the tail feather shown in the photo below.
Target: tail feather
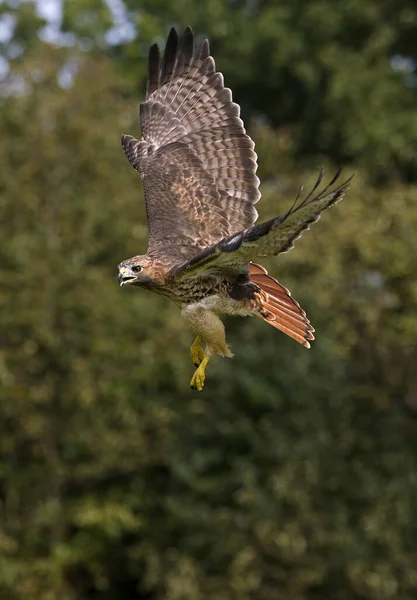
{"x": 283, "y": 325}
{"x": 280, "y": 296}
{"x": 297, "y": 319}
{"x": 278, "y": 308}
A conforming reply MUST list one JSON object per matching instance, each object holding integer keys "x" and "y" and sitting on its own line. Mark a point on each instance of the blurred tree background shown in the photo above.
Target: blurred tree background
{"x": 294, "y": 474}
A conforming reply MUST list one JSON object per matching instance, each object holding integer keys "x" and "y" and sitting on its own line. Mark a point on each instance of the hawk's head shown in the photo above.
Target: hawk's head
{"x": 139, "y": 271}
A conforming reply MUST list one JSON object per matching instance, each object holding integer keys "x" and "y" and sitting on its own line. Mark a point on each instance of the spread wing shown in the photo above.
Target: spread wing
{"x": 272, "y": 237}
{"x": 196, "y": 161}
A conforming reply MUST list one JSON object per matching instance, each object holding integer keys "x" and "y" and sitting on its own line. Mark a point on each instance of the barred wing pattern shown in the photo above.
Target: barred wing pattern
{"x": 265, "y": 239}
{"x": 197, "y": 163}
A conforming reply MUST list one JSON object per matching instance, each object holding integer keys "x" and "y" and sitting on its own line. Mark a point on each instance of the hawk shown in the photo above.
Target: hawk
{"x": 198, "y": 168}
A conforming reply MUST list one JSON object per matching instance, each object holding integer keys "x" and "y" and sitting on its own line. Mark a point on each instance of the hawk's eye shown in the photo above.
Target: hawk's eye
{"x": 136, "y": 268}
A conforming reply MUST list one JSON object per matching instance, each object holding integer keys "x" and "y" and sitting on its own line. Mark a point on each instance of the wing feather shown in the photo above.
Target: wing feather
{"x": 185, "y": 54}
{"x": 169, "y": 59}
{"x": 265, "y": 239}
{"x": 187, "y": 104}
{"x": 153, "y": 70}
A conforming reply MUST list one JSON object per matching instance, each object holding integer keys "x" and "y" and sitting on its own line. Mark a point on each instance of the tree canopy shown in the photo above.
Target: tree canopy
{"x": 293, "y": 475}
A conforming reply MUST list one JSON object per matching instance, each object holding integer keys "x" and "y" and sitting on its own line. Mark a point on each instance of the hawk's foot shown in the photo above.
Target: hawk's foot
{"x": 197, "y": 380}
{"x": 197, "y": 352}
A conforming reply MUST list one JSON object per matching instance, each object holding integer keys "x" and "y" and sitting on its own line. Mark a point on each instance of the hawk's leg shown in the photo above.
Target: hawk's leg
{"x": 196, "y": 351}
{"x": 208, "y": 328}
{"x": 197, "y": 380}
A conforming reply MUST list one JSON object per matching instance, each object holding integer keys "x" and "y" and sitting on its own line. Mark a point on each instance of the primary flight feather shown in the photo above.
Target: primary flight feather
{"x": 198, "y": 168}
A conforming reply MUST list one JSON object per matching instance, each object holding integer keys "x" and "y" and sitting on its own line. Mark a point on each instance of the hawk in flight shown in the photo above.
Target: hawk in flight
{"x": 198, "y": 168}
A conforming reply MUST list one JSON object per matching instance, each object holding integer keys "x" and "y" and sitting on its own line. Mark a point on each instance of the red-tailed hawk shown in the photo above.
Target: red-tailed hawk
{"x": 198, "y": 168}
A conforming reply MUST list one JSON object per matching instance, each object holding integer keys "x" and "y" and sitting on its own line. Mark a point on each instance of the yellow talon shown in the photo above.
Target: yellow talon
{"x": 197, "y": 380}
{"x": 196, "y": 351}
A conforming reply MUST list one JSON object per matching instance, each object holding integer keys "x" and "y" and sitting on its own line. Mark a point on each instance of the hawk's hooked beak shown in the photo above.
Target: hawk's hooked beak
{"x": 125, "y": 275}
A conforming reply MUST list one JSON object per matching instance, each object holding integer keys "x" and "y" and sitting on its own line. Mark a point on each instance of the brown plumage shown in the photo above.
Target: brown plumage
{"x": 278, "y": 308}
{"x": 197, "y": 164}
{"x": 198, "y": 168}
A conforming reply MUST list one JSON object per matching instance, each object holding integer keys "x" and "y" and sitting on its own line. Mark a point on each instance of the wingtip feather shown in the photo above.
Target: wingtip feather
{"x": 153, "y": 70}
{"x": 170, "y": 55}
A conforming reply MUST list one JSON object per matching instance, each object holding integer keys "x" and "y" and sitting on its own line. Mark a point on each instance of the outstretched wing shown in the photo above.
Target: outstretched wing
{"x": 197, "y": 164}
{"x": 265, "y": 239}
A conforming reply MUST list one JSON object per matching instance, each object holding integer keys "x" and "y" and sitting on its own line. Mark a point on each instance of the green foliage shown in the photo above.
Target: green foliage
{"x": 321, "y": 71}
{"x": 293, "y": 475}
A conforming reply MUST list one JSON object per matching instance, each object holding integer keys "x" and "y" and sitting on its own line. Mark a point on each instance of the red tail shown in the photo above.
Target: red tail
{"x": 278, "y": 308}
